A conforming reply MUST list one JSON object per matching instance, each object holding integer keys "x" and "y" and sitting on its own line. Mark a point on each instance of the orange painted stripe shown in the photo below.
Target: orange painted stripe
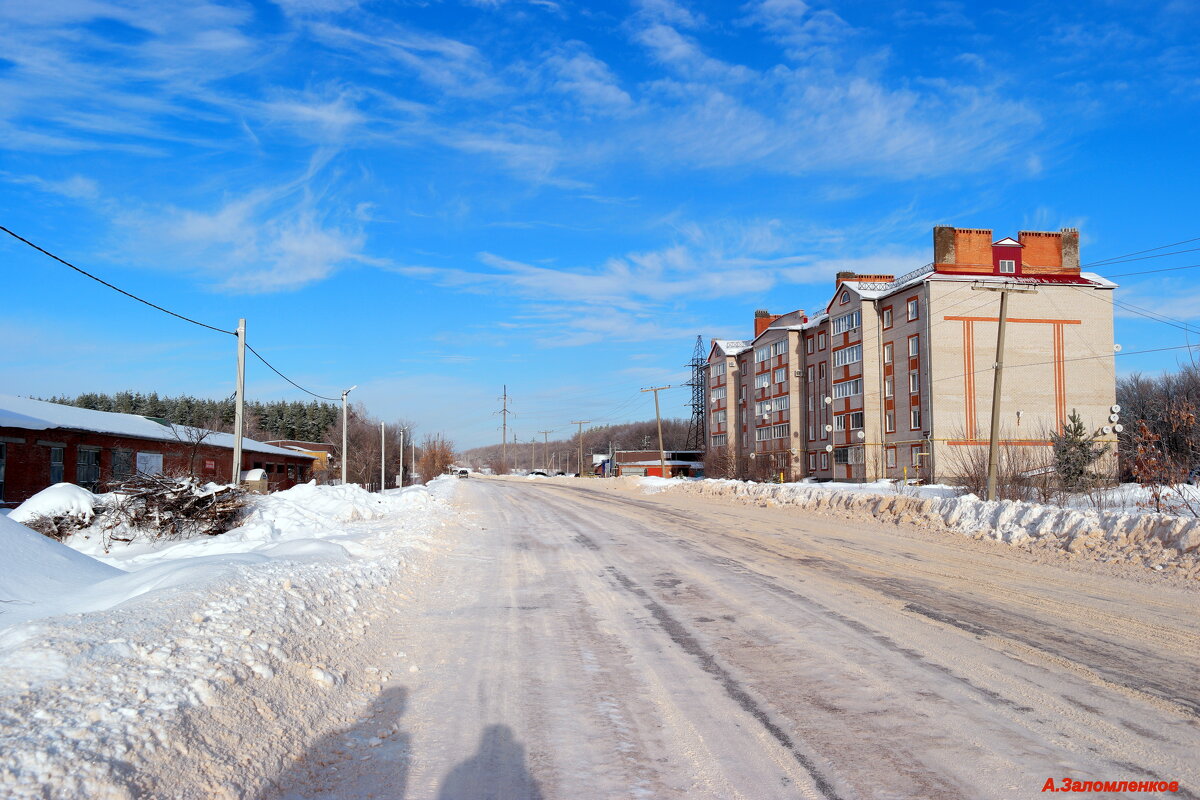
{"x": 1020, "y": 319}
{"x": 985, "y": 442}
{"x": 969, "y": 376}
{"x": 1060, "y": 379}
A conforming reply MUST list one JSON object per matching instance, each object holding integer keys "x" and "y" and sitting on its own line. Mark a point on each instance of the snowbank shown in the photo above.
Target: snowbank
{"x": 61, "y": 499}
{"x": 102, "y": 669}
{"x": 1155, "y": 540}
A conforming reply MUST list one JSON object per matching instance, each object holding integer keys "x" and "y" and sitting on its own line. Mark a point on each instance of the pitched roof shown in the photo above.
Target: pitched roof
{"x": 39, "y": 415}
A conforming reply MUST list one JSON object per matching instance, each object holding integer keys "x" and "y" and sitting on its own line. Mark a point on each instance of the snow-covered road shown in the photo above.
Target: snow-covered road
{"x": 576, "y": 640}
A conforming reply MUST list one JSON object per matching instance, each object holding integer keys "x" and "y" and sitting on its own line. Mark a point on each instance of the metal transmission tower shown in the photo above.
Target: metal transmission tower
{"x": 699, "y": 387}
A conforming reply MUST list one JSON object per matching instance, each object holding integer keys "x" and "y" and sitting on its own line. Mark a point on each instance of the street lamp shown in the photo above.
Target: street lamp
{"x": 345, "y": 427}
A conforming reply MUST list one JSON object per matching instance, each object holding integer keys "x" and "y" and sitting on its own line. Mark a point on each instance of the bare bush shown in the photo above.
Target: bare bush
{"x": 57, "y": 526}
{"x": 1022, "y": 472}
{"x": 170, "y": 508}
{"x": 719, "y": 462}
{"x": 437, "y": 455}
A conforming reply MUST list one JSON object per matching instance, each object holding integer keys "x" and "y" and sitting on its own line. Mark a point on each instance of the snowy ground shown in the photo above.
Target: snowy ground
{"x": 105, "y": 657}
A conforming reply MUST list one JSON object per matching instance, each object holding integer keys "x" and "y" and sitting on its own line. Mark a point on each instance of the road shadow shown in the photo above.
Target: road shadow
{"x": 496, "y": 771}
{"x": 372, "y": 758}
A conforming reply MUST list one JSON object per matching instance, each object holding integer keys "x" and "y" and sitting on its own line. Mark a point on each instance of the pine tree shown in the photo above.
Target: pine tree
{"x": 1074, "y": 453}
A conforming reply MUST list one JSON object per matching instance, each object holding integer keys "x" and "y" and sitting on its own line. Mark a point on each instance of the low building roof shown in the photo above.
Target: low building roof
{"x": 38, "y": 415}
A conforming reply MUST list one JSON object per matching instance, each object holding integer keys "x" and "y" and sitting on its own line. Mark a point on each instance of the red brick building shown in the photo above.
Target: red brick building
{"x": 42, "y": 444}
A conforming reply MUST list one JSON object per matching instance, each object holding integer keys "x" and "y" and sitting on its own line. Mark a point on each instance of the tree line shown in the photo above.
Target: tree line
{"x": 563, "y": 453}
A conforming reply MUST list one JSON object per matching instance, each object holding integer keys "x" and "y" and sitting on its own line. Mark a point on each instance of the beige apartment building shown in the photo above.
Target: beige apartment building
{"x": 893, "y": 377}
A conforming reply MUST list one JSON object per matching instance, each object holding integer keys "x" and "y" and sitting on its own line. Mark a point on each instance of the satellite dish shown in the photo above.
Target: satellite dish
{"x": 828, "y": 428}
{"x": 766, "y": 406}
{"x": 1113, "y": 417}
{"x": 862, "y": 435}
{"x": 828, "y": 400}
{"x": 1107, "y": 429}
{"x": 1118, "y": 428}
{"x": 828, "y": 448}
{"x": 1116, "y": 348}
{"x": 1116, "y": 409}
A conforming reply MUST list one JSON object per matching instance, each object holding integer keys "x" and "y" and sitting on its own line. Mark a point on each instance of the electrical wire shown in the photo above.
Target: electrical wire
{"x": 289, "y": 380}
{"x": 85, "y": 273}
{"x": 1079, "y": 358}
{"x": 1139, "y": 252}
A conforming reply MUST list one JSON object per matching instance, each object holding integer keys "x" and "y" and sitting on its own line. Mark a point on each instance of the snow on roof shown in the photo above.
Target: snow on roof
{"x": 1007, "y": 241}
{"x": 39, "y": 415}
{"x": 656, "y": 462}
{"x": 731, "y": 347}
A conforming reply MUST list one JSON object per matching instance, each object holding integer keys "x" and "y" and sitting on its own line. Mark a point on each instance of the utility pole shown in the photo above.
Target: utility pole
{"x": 382, "y": 456}
{"x": 504, "y": 412}
{"x": 345, "y": 428}
{"x": 532, "y": 452}
{"x": 239, "y": 408}
{"x": 401, "y": 484}
{"x": 580, "y": 423}
{"x": 662, "y": 456}
{"x": 998, "y": 379}
{"x": 545, "y": 449}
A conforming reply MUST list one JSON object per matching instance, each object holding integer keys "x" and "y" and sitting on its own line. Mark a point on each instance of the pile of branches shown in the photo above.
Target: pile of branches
{"x": 172, "y": 508}
{"x": 58, "y": 526}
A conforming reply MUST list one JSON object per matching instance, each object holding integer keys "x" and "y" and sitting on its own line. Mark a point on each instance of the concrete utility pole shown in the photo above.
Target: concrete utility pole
{"x": 504, "y": 412}
{"x": 532, "y": 453}
{"x": 382, "y": 456}
{"x": 401, "y": 483}
{"x": 580, "y": 423}
{"x": 998, "y": 380}
{"x": 662, "y": 456}
{"x": 239, "y": 407}
{"x": 545, "y": 449}
{"x": 345, "y": 428}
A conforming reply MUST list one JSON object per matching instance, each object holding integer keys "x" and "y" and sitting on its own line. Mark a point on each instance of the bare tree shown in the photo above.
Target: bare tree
{"x": 437, "y": 454}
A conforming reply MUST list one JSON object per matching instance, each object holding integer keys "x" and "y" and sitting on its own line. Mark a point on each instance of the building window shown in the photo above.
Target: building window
{"x": 122, "y": 464}
{"x": 853, "y": 420}
{"x": 742, "y": 416}
{"x": 889, "y": 386}
{"x": 87, "y": 467}
{"x": 718, "y": 393}
{"x": 887, "y": 353}
{"x": 762, "y": 354}
{"x": 847, "y": 355}
{"x": 845, "y": 299}
{"x": 849, "y": 455}
{"x": 808, "y": 344}
{"x": 889, "y": 421}
{"x": 914, "y": 309}
{"x": 720, "y": 439}
{"x": 56, "y": 465}
{"x": 291, "y": 472}
{"x": 781, "y": 375}
{"x": 914, "y": 346}
{"x": 914, "y": 419}
{"x": 891, "y": 457}
{"x": 780, "y": 431}
{"x": 915, "y": 454}
{"x": 847, "y": 322}
{"x": 767, "y": 406}
{"x": 824, "y": 460}
{"x": 810, "y": 373}
{"x": 821, "y": 371}
{"x": 1008, "y": 267}
{"x": 847, "y": 388}
{"x": 779, "y": 348}
{"x": 812, "y": 461}
{"x": 914, "y": 382}
{"x": 762, "y": 381}
{"x": 718, "y": 417}
{"x": 821, "y": 340}
{"x": 718, "y": 368}
{"x": 887, "y": 317}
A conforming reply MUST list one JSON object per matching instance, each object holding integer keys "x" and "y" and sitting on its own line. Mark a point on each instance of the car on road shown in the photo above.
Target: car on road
{"x": 462, "y": 473}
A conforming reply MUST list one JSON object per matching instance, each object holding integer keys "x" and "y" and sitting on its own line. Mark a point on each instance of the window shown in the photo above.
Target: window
{"x": 889, "y": 386}
{"x": 914, "y": 309}
{"x": 720, "y": 440}
{"x": 87, "y": 467}
{"x": 914, "y": 419}
{"x": 915, "y": 453}
{"x": 718, "y": 393}
{"x": 762, "y": 381}
{"x": 779, "y": 348}
{"x": 718, "y": 368}
{"x": 849, "y": 455}
{"x": 810, "y": 403}
{"x": 742, "y": 415}
{"x": 812, "y": 461}
{"x": 891, "y": 457}
{"x": 718, "y": 417}
{"x": 854, "y": 420}
{"x": 56, "y": 465}
{"x": 821, "y": 340}
{"x": 1008, "y": 267}
{"x": 781, "y": 375}
{"x": 291, "y": 472}
{"x": 821, "y": 370}
{"x": 847, "y": 355}
{"x": 808, "y": 344}
{"x": 824, "y": 460}
{"x": 887, "y": 353}
{"x": 847, "y": 322}
{"x": 889, "y": 421}
{"x": 810, "y": 373}
{"x": 762, "y": 354}
{"x": 767, "y": 406}
{"x": 914, "y": 382}
{"x": 914, "y": 346}
{"x": 887, "y": 317}
{"x": 780, "y": 431}
{"x": 847, "y": 388}
{"x": 122, "y": 464}
{"x": 762, "y": 434}
{"x": 742, "y": 392}
{"x": 845, "y": 297}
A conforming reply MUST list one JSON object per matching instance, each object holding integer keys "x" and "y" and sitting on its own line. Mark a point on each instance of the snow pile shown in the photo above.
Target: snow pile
{"x": 61, "y": 499}
{"x": 1159, "y": 541}
{"x": 103, "y": 671}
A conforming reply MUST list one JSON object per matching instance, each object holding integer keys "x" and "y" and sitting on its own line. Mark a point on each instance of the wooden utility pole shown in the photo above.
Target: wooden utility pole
{"x": 545, "y": 449}
{"x": 998, "y": 378}
{"x": 239, "y": 408}
{"x": 662, "y": 456}
{"x": 580, "y": 423}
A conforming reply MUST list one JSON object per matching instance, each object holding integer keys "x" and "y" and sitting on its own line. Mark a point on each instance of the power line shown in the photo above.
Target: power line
{"x": 1148, "y": 271}
{"x": 114, "y": 288}
{"x": 1079, "y": 358}
{"x": 1139, "y": 252}
{"x": 289, "y": 380}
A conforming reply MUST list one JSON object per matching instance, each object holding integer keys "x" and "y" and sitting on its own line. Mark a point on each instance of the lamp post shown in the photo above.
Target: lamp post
{"x": 345, "y": 427}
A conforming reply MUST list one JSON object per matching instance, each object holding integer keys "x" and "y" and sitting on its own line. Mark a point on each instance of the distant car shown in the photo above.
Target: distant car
{"x": 539, "y": 473}
{"x": 462, "y": 473}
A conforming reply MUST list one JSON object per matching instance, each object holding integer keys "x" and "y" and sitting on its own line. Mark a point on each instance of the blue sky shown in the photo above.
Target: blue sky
{"x": 432, "y": 200}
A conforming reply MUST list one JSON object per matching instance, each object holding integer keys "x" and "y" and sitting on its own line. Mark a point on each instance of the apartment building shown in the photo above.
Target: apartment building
{"x": 893, "y": 377}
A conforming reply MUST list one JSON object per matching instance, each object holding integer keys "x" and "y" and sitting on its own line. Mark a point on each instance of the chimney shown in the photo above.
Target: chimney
{"x": 843, "y": 276}
{"x": 943, "y": 245}
{"x": 1070, "y": 249}
{"x": 763, "y": 320}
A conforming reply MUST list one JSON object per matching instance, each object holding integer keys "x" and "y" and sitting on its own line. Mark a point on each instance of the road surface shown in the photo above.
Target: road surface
{"x": 576, "y": 641}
